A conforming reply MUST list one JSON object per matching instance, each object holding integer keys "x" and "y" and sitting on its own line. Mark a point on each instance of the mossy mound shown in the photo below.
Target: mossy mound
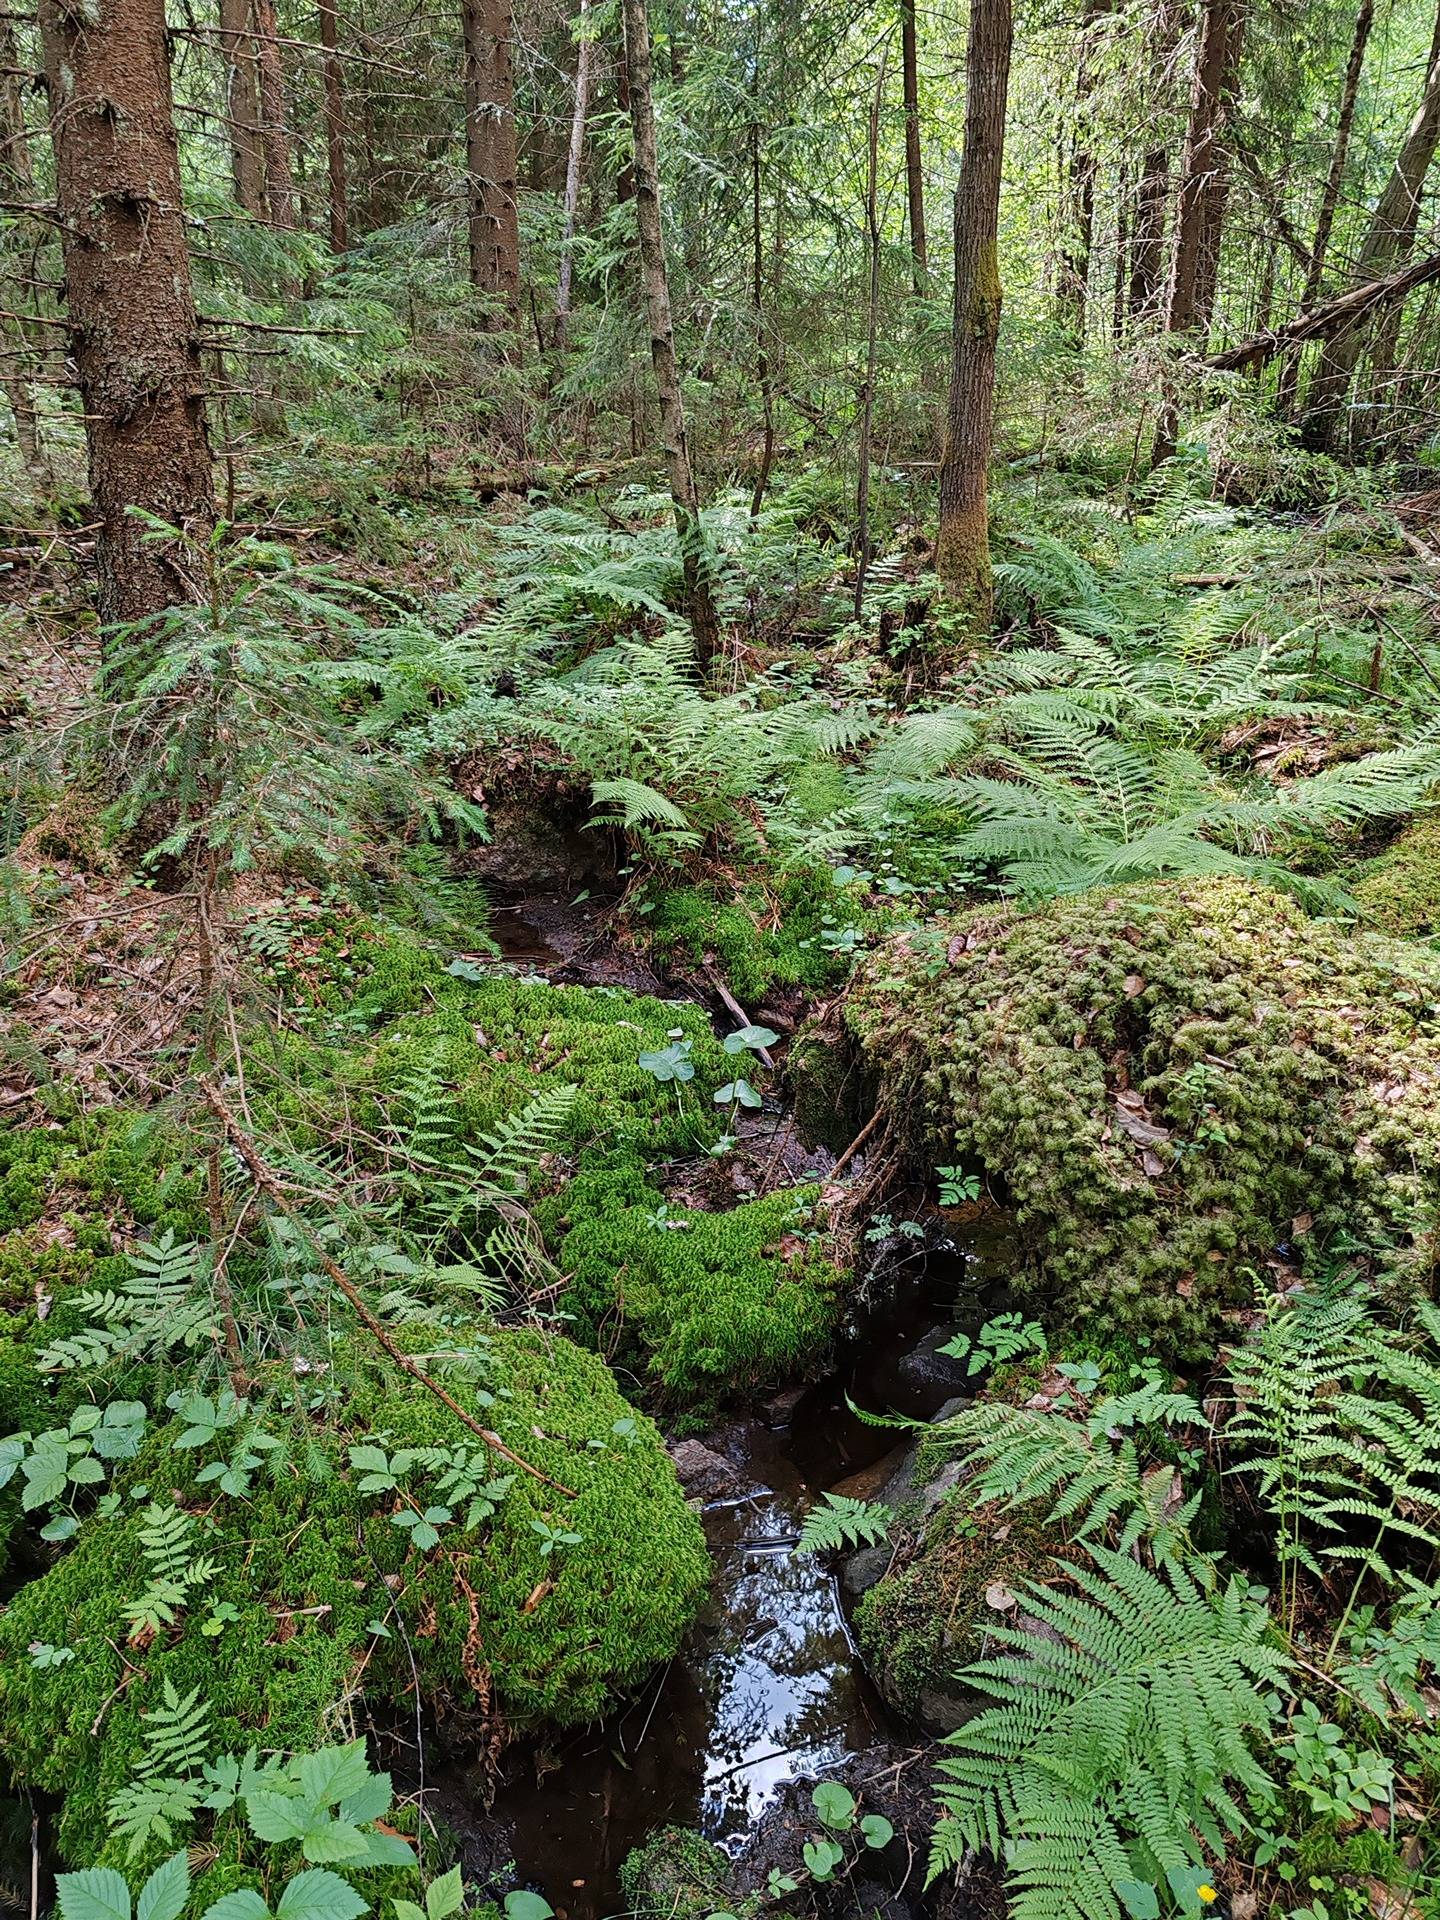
{"x": 702, "y": 1303}
{"x": 791, "y": 934}
{"x": 926, "y": 1617}
{"x": 1167, "y": 1080}
{"x": 682, "y": 1875}
{"x": 1399, "y": 892}
{"x": 329, "y": 1595}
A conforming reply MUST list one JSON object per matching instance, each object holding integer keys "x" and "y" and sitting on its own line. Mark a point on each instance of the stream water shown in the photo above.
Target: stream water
{"x": 768, "y": 1686}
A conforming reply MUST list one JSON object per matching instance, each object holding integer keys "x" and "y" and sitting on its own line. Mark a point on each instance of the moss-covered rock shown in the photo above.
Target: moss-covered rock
{"x": 1399, "y": 891}
{"x": 546, "y": 1610}
{"x": 925, "y": 1619}
{"x": 702, "y": 1303}
{"x": 1167, "y": 1080}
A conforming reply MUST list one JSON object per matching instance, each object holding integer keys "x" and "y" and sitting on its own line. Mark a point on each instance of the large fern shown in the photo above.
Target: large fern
{"x": 1120, "y": 1738}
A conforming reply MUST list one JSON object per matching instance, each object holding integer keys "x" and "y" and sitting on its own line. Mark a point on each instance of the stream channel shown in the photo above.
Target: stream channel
{"x": 768, "y": 1687}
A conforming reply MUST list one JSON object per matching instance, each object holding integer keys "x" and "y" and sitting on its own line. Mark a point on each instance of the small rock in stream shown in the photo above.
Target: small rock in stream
{"x": 703, "y": 1473}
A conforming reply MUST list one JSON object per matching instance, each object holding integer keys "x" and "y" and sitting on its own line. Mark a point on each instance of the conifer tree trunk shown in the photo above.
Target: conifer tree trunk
{"x": 1388, "y": 240}
{"x": 242, "y": 106}
{"x": 1197, "y": 168}
{"x": 914, "y": 167}
{"x": 962, "y": 545}
{"x": 1074, "y": 281}
{"x": 573, "y": 163}
{"x": 127, "y": 277}
{"x": 1147, "y": 236}
{"x": 488, "y": 28}
{"x": 704, "y": 622}
{"x": 1216, "y": 199}
{"x": 274, "y": 139}
{"x": 334, "y": 128}
{"x": 17, "y": 182}
{"x": 1330, "y": 197}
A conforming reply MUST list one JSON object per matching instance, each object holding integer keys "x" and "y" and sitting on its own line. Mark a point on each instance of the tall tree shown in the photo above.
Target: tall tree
{"x": 1330, "y": 195}
{"x": 334, "y": 127}
{"x": 684, "y": 494}
{"x": 1215, "y": 200}
{"x": 17, "y": 182}
{"x": 134, "y": 336}
{"x": 914, "y": 166}
{"x": 274, "y": 134}
{"x": 1387, "y": 243}
{"x": 573, "y": 162}
{"x": 494, "y": 226}
{"x": 1197, "y": 167}
{"x": 242, "y": 105}
{"x": 962, "y": 545}
{"x": 1074, "y": 281}
{"x": 1147, "y": 234}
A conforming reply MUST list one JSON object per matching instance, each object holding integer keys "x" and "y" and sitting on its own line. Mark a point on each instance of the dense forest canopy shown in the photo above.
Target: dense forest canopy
{"x": 720, "y": 1004}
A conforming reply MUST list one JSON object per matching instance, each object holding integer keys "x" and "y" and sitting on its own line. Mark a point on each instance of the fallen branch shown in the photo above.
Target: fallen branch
{"x": 1329, "y": 318}
{"x": 265, "y": 1178}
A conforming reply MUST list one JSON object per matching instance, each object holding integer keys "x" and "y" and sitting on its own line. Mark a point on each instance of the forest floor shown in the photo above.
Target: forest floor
{"x": 882, "y": 1029}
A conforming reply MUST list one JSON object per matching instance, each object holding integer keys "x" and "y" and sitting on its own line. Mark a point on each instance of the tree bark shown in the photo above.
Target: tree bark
{"x": 1198, "y": 165}
{"x": 574, "y": 161}
{"x": 1355, "y": 307}
{"x": 488, "y": 27}
{"x": 695, "y": 560}
{"x": 764, "y": 373}
{"x": 872, "y": 322}
{"x": 1147, "y": 239}
{"x": 17, "y": 182}
{"x": 127, "y": 274}
{"x": 1330, "y": 197}
{"x": 334, "y": 128}
{"x": 1388, "y": 240}
{"x": 1074, "y": 283}
{"x": 242, "y": 106}
{"x": 274, "y": 139}
{"x": 1216, "y": 199}
{"x": 914, "y": 168}
{"x": 962, "y": 545}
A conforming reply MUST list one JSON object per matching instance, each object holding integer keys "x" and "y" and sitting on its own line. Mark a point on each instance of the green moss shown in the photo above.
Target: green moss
{"x": 926, "y": 1618}
{"x": 1399, "y": 892}
{"x": 1164, "y": 1078}
{"x": 758, "y": 938}
{"x": 494, "y": 1625}
{"x": 680, "y": 1874}
{"x": 703, "y": 1303}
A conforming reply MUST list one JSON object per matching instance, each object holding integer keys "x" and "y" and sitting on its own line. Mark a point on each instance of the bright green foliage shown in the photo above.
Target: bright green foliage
{"x": 837, "y": 1521}
{"x": 929, "y": 1616}
{"x": 761, "y": 938}
{"x": 1340, "y": 1419}
{"x": 1114, "y": 1746}
{"x": 1399, "y": 892}
{"x": 1087, "y": 1479}
{"x": 705, "y": 1302}
{"x": 1162, "y": 1078}
{"x": 307, "y": 1563}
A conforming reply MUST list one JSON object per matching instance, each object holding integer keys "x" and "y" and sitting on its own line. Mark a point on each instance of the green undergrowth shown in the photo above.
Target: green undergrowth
{"x": 1399, "y": 891}
{"x": 794, "y": 933}
{"x": 700, "y": 1303}
{"x": 1166, "y": 1081}
{"x": 679, "y": 1873}
{"x": 318, "y": 1591}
